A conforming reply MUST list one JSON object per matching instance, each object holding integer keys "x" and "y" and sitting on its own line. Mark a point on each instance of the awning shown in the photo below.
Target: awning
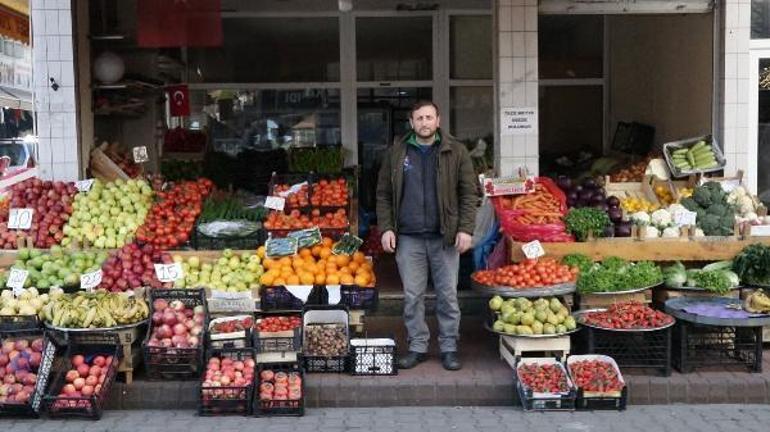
{"x": 15, "y": 98}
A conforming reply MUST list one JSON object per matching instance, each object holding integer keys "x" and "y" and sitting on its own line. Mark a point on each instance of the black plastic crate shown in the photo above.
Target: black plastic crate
{"x": 359, "y": 298}
{"x": 273, "y": 408}
{"x": 632, "y": 349}
{"x": 704, "y": 345}
{"x": 32, "y": 407}
{"x": 338, "y": 364}
{"x": 278, "y": 298}
{"x": 532, "y": 402}
{"x": 373, "y": 359}
{"x": 200, "y": 241}
{"x": 176, "y": 363}
{"x": 238, "y": 339}
{"x": 278, "y": 342}
{"x": 608, "y": 403}
{"x": 89, "y": 345}
{"x": 327, "y": 315}
{"x": 232, "y": 400}
{"x": 19, "y": 322}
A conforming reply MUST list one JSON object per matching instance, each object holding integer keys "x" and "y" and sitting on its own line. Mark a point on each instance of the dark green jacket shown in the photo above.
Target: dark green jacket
{"x": 457, "y": 188}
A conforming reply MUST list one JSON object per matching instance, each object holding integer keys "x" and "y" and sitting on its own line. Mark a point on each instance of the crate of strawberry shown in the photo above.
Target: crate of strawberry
{"x": 544, "y": 385}
{"x": 628, "y": 316}
{"x": 600, "y": 385}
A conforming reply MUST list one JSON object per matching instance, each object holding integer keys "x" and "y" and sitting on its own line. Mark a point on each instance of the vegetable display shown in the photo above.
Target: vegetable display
{"x": 272, "y": 324}
{"x": 172, "y": 217}
{"x": 582, "y": 262}
{"x": 715, "y": 216}
{"x": 699, "y": 156}
{"x": 614, "y": 274}
{"x": 587, "y": 221}
{"x": 541, "y": 206}
{"x": 295, "y": 198}
{"x": 752, "y": 264}
{"x": 716, "y": 277}
{"x": 528, "y": 274}
{"x": 227, "y": 207}
{"x": 627, "y": 316}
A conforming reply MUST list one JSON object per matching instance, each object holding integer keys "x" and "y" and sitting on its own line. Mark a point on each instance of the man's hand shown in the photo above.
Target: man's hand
{"x": 462, "y": 242}
{"x": 388, "y": 241}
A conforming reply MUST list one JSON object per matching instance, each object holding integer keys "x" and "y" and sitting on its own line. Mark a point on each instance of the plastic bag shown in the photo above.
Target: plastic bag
{"x": 229, "y": 229}
{"x": 548, "y": 232}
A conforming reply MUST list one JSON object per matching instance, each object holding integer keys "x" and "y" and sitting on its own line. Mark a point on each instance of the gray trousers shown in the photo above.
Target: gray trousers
{"x": 415, "y": 256}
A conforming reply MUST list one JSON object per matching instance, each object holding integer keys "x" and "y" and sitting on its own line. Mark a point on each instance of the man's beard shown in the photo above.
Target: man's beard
{"x": 430, "y": 134}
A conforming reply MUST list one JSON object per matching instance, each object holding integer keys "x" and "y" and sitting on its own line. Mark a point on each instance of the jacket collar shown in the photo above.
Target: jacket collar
{"x": 443, "y": 140}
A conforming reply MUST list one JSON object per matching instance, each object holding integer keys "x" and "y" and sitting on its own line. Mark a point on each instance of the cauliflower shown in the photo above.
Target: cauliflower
{"x": 651, "y": 232}
{"x": 640, "y": 218}
{"x": 749, "y": 217}
{"x": 670, "y": 232}
{"x": 661, "y": 218}
{"x": 673, "y": 208}
{"x": 699, "y": 233}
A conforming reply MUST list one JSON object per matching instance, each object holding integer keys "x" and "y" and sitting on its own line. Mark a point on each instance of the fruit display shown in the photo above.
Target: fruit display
{"x": 633, "y": 172}
{"x": 543, "y": 377}
{"x": 95, "y": 310}
{"x": 227, "y": 378}
{"x": 85, "y": 379}
{"x": 523, "y": 317}
{"x": 124, "y": 161}
{"x": 172, "y": 217}
{"x": 757, "y": 302}
{"x": 52, "y": 203}
{"x": 176, "y": 325}
{"x": 132, "y": 267}
{"x": 614, "y": 274}
{"x": 231, "y": 324}
{"x": 294, "y": 220}
{"x": 698, "y": 157}
{"x": 637, "y": 204}
{"x": 272, "y": 324}
{"x": 58, "y": 268}
{"x": 330, "y": 193}
{"x": 627, "y": 316}
{"x": 230, "y": 272}
{"x": 300, "y": 197}
{"x": 109, "y": 214}
{"x": 528, "y": 274}
{"x": 326, "y": 340}
{"x": 29, "y": 301}
{"x": 595, "y": 375}
{"x": 317, "y": 265}
{"x": 278, "y": 385}
{"x": 20, "y": 359}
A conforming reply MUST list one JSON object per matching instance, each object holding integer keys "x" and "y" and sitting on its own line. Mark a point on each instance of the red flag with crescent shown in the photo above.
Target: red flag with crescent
{"x": 179, "y": 100}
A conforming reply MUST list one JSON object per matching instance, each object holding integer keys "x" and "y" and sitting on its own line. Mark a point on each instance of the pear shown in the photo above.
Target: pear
{"x": 498, "y": 326}
{"x": 549, "y": 328}
{"x": 510, "y": 329}
{"x": 527, "y": 318}
{"x": 555, "y": 305}
{"x": 537, "y": 327}
{"x": 496, "y": 303}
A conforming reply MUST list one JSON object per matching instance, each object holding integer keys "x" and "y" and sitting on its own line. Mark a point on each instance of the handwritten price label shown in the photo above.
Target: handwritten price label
{"x": 84, "y": 185}
{"x": 20, "y": 218}
{"x": 16, "y": 279}
{"x": 275, "y": 203}
{"x": 169, "y": 272}
{"x": 89, "y": 281}
{"x": 140, "y": 154}
{"x": 684, "y": 218}
{"x": 533, "y": 249}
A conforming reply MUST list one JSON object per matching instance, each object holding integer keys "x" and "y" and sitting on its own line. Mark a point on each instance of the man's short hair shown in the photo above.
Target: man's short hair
{"x": 422, "y": 104}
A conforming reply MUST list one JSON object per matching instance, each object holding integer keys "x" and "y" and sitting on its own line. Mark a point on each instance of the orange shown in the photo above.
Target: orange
{"x": 287, "y": 271}
{"x": 328, "y": 242}
{"x": 311, "y": 268}
{"x": 366, "y": 265}
{"x": 307, "y": 279}
{"x": 353, "y": 266}
{"x": 332, "y": 279}
{"x": 292, "y": 280}
{"x": 267, "y": 279}
{"x": 320, "y": 279}
{"x": 261, "y": 251}
{"x": 285, "y": 261}
{"x": 347, "y": 279}
{"x": 325, "y": 253}
{"x": 279, "y": 281}
{"x": 345, "y": 270}
{"x": 342, "y": 260}
{"x": 305, "y": 252}
{"x": 362, "y": 279}
{"x": 359, "y": 257}
{"x": 331, "y": 268}
{"x": 268, "y": 263}
{"x": 316, "y": 250}
{"x": 297, "y": 263}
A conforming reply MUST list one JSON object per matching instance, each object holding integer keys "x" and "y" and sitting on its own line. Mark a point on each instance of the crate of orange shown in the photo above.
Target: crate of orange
{"x": 332, "y": 224}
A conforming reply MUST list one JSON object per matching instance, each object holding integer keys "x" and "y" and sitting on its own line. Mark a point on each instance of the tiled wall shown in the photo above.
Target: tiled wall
{"x": 734, "y": 82}
{"x": 52, "y": 57}
{"x": 517, "y": 77}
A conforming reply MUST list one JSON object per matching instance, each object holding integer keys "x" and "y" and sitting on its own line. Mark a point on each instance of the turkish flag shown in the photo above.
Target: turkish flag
{"x": 179, "y": 23}
{"x": 179, "y": 99}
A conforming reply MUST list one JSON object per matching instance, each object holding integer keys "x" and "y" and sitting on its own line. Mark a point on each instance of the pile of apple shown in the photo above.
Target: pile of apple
{"x": 109, "y": 214}
{"x": 172, "y": 217}
{"x": 133, "y": 266}
{"x": 174, "y": 325}
{"x": 19, "y": 363}
{"x": 83, "y": 380}
{"x": 57, "y": 268}
{"x": 280, "y": 386}
{"x": 230, "y": 272}
{"x": 234, "y": 375}
{"x": 52, "y": 205}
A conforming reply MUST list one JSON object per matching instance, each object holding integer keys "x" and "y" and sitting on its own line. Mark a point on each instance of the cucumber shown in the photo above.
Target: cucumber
{"x": 681, "y": 151}
{"x": 690, "y": 158}
{"x": 698, "y": 145}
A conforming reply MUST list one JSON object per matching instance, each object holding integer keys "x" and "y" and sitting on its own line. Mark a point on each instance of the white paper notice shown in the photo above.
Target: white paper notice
{"x": 302, "y": 292}
{"x": 275, "y": 203}
{"x": 335, "y": 294}
{"x": 518, "y": 121}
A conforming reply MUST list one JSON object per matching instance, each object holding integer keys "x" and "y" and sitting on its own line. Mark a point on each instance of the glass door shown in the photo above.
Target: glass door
{"x": 759, "y": 124}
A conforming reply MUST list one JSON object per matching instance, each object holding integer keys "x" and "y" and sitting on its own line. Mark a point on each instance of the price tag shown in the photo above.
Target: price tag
{"x": 169, "y": 272}
{"x": 140, "y": 154}
{"x": 89, "y": 281}
{"x": 760, "y": 230}
{"x": 20, "y": 218}
{"x": 84, "y": 185}
{"x": 275, "y": 203}
{"x": 16, "y": 279}
{"x": 730, "y": 185}
{"x": 533, "y": 249}
{"x": 684, "y": 218}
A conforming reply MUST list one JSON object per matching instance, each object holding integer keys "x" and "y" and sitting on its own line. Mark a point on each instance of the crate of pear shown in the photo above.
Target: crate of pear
{"x": 230, "y": 272}
{"x": 545, "y": 316}
{"x": 57, "y": 267}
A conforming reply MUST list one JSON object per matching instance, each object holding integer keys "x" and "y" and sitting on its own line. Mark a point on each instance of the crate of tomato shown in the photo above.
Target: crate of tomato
{"x": 544, "y": 385}
{"x": 600, "y": 385}
{"x": 294, "y": 188}
{"x": 277, "y": 334}
{"x": 230, "y": 332}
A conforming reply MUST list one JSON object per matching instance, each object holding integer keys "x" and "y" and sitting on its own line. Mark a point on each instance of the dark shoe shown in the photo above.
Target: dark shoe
{"x": 411, "y": 360}
{"x": 451, "y": 361}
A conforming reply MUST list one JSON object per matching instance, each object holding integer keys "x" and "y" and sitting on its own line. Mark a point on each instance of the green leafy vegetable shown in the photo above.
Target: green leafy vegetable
{"x": 615, "y": 274}
{"x": 582, "y": 222}
{"x": 675, "y": 276}
{"x": 752, "y": 264}
{"x": 582, "y": 262}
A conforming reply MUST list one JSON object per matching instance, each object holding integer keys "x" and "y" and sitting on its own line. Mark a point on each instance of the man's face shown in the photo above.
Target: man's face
{"x": 425, "y": 121}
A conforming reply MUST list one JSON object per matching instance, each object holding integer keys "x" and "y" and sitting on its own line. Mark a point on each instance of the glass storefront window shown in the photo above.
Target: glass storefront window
{"x": 239, "y": 120}
{"x": 763, "y": 131}
{"x": 760, "y": 19}
{"x": 271, "y": 50}
{"x": 394, "y": 48}
{"x": 570, "y": 46}
{"x": 472, "y": 112}
{"x": 470, "y": 47}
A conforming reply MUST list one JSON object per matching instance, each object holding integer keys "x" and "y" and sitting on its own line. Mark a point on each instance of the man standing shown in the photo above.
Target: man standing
{"x": 426, "y": 209}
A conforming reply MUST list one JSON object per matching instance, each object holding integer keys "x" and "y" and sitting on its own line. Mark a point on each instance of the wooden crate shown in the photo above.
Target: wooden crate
{"x": 131, "y": 344}
{"x": 595, "y": 301}
{"x": 514, "y": 348}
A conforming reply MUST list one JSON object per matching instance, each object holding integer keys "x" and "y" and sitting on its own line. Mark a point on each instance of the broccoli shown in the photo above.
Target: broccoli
{"x": 701, "y": 214}
{"x": 689, "y": 204}
{"x": 717, "y": 210}
{"x": 727, "y": 223}
{"x": 710, "y": 224}
{"x": 702, "y": 197}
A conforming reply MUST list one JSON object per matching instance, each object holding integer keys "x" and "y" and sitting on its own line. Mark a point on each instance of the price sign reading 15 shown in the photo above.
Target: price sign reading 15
{"x": 169, "y": 272}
